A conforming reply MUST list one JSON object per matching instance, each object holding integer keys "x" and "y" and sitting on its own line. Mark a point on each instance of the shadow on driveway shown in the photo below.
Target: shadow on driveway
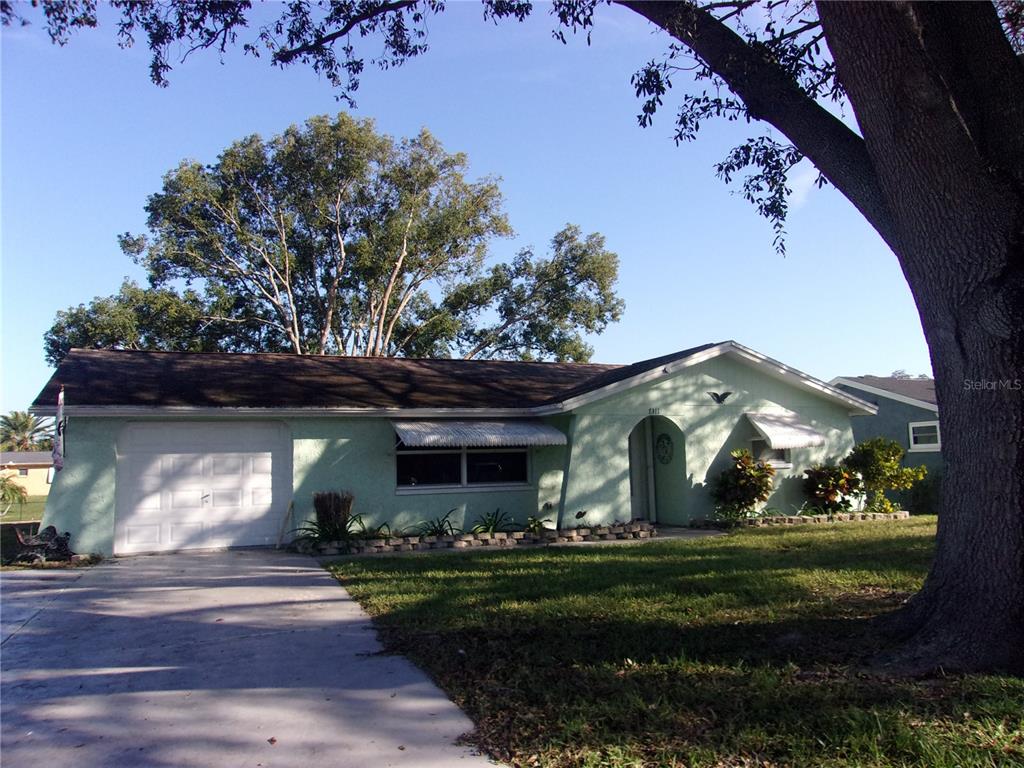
{"x": 241, "y": 658}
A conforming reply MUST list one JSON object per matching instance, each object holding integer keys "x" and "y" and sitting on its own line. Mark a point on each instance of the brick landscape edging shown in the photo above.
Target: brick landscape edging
{"x": 764, "y": 522}
{"x": 633, "y": 530}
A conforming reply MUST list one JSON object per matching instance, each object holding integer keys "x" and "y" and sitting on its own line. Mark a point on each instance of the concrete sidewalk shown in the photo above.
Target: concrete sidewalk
{"x": 240, "y": 658}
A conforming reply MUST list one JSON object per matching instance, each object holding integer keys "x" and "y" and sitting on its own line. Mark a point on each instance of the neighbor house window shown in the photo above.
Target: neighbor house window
{"x": 777, "y": 457}
{"x": 925, "y": 436}
{"x": 460, "y": 467}
{"x": 23, "y": 472}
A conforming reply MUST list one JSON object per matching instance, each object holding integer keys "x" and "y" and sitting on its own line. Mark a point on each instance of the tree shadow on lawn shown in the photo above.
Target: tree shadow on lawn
{"x": 726, "y": 654}
{"x": 654, "y": 693}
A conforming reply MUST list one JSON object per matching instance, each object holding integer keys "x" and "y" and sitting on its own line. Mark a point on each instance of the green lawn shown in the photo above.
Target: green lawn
{"x": 30, "y": 511}
{"x": 745, "y": 650}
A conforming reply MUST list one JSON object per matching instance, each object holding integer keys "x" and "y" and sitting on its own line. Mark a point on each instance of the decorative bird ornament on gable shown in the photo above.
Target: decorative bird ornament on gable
{"x": 719, "y": 397}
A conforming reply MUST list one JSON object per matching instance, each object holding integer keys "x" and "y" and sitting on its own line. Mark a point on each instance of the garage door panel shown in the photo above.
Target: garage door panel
{"x": 201, "y": 485}
{"x": 147, "y": 466}
{"x": 186, "y": 499}
{"x": 262, "y": 497}
{"x": 262, "y": 465}
{"x": 148, "y": 501}
{"x": 183, "y": 533}
{"x": 183, "y": 466}
{"x": 229, "y": 498}
{"x": 141, "y": 535}
{"x": 227, "y": 465}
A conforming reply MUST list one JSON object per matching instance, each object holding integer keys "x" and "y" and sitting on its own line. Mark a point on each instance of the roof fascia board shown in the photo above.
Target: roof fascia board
{"x": 111, "y": 411}
{"x": 886, "y": 393}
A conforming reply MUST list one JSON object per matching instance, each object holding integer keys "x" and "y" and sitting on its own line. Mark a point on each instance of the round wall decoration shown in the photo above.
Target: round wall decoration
{"x": 663, "y": 448}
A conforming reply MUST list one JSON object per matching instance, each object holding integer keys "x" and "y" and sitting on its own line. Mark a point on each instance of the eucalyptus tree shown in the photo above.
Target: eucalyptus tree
{"x": 332, "y": 238}
{"x": 935, "y": 164}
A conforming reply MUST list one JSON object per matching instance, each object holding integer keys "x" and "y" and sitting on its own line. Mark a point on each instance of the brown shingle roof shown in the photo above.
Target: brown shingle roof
{"x": 132, "y": 378}
{"x": 918, "y": 389}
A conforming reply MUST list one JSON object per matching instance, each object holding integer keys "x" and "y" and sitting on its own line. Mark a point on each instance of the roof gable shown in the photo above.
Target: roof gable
{"x": 649, "y": 371}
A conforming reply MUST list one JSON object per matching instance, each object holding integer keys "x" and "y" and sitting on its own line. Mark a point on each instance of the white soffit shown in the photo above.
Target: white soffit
{"x": 783, "y": 431}
{"x": 476, "y": 434}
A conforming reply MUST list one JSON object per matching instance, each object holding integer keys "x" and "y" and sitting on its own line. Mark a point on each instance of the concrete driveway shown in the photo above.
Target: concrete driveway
{"x": 240, "y": 658}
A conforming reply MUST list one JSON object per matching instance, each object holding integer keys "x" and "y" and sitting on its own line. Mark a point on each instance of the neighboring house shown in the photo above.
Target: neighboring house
{"x": 907, "y": 413}
{"x": 32, "y": 470}
{"x": 185, "y": 450}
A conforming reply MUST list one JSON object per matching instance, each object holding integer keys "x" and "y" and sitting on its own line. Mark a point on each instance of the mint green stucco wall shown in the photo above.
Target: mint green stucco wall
{"x": 81, "y": 498}
{"x": 591, "y": 473}
{"x": 598, "y": 475}
{"x": 353, "y": 454}
{"x": 359, "y": 455}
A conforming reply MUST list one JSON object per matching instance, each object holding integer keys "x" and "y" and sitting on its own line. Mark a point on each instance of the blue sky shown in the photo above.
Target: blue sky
{"x": 86, "y": 138}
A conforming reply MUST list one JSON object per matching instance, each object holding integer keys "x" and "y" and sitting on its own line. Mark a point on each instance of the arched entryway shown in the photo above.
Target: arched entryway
{"x": 657, "y": 471}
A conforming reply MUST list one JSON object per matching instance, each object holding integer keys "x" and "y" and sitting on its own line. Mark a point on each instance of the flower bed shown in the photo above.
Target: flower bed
{"x": 635, "y": 530}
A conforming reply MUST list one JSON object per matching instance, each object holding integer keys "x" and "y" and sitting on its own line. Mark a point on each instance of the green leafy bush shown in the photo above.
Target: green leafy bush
{"x": 879, "y": 463}
{"x": 741, "y": 487}
{"x": 925, "y": 496}
{"x": 439, "y": 526}
{"x": 334, "y": 522}
{"x": 535, "y": 524}
{"x": 830, "y": 488}
{"x": 493, "y": 522}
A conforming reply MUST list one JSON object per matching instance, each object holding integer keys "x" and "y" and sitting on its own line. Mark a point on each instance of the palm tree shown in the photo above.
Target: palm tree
{"x": 21, "y": 431}
{"x": 11, "y": 493}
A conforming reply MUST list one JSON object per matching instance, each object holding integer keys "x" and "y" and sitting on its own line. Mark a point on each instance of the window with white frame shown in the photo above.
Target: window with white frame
{"x": 424, "y": 468}
{"x": 925, "y": 436}
{"x": 777, "y": 457}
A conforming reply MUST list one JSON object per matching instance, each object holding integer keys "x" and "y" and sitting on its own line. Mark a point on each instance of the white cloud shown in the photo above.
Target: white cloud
{"x": 801, "y": 181}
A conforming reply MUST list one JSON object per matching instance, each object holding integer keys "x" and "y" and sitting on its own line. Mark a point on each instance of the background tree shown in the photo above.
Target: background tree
{"x": 334, "y": 239}
{"x": 134, "y": 318}
{"x": 540, "y": 305}
{"x": 936, "y": 166}
{"x": 21, "y": 431}
{"x": 11, "y": 492}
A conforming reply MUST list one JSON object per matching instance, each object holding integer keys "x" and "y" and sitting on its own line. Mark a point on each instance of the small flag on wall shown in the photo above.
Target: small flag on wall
{"x": 58, "y": 434}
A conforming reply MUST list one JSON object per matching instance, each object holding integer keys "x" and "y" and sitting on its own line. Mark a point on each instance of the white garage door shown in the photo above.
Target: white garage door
{"x": 200, "y": 485}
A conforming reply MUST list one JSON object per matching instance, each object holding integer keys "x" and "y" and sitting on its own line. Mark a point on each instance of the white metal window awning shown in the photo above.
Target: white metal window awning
{"x": 476, "y": 434}
{"x": 785, "y": 430}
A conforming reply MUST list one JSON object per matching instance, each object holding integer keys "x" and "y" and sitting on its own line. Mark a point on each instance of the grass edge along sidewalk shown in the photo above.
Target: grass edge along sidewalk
{"x": 728, "y": 651}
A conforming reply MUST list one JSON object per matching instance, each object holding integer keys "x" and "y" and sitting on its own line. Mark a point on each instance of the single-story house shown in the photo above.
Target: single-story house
{"x": 32, "y": 470}
{"x": 168, "y": 451}
{"x": 907, "y": 412}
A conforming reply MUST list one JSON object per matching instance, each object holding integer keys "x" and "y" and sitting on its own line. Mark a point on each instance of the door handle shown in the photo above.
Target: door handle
{"x": 204, "y": 497}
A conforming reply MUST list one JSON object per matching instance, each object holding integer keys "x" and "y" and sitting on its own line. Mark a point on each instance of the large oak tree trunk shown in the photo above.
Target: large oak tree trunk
{"x": 939, "y": 98}
{"x": 939, "y": 173}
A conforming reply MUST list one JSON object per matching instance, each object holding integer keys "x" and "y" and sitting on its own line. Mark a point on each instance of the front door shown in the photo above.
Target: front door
{"x": 639, "y": 488}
